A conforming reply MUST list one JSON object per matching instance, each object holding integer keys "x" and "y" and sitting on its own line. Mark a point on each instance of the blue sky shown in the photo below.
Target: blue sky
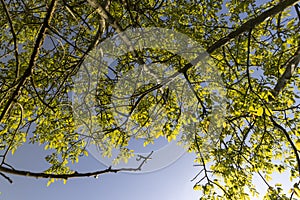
{"x": 169, "y": 183}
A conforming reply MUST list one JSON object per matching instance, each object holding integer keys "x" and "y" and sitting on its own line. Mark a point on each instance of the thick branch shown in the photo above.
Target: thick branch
{"x": 250, "y": 24}
{"x": 73, "y": 175}
{"x": 290, "y": 67}
{"x": 38, "y": 43}
{"x": 106, "y": 15}
{"x": 60, "y": 176}
{"x": 247, "y": 26}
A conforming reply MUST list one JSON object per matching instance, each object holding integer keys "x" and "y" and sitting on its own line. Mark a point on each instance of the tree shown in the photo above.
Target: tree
{"x": 254, "y": 46}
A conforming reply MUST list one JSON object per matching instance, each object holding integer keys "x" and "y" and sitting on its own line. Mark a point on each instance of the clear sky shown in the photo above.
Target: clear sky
{"x": 171, "y": 183}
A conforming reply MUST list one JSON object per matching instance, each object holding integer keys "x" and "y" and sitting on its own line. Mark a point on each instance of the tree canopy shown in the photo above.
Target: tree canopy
{"x": 253, "y": 46}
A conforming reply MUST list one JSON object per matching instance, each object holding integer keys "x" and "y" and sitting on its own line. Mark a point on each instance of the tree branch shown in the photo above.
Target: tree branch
{"x": 38, "y": 43}
{"x": 14, "y": 38}
{"x": 290, "y": 68}
{"x": 73, "y": 175}
{"x": 250, "y": 24}
{"x": 289, "y": 140}
{"x": 6, "y": 177}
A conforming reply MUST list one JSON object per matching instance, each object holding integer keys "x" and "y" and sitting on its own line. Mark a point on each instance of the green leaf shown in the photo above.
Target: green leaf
{"x": 297, "y": 144}
{"x": 197, "y": 187}
{"x": 50, "y": 181}
{"x": 260, "y": 111}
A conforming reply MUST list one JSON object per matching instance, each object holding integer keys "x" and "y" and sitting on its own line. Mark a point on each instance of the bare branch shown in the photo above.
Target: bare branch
{"x": 6, "y": 177}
